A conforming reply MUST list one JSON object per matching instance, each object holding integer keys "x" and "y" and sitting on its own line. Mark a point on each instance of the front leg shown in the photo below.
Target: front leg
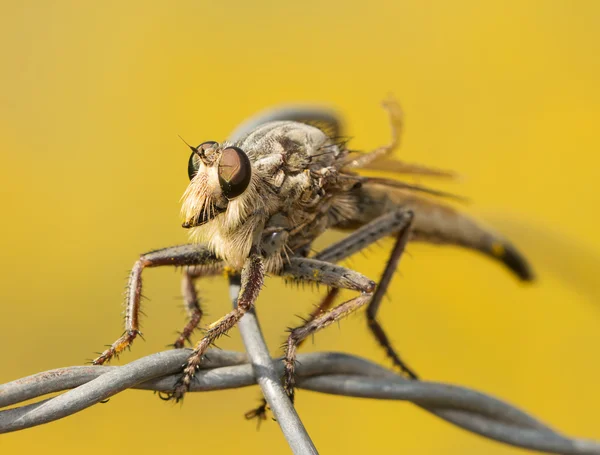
{"x": 253, "y": 274}
{"x": 183, "y": 255}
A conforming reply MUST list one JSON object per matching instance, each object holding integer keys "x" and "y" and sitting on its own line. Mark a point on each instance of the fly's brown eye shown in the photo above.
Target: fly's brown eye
{"x": 194, "y": 161}
{"x": 235, "y": 171}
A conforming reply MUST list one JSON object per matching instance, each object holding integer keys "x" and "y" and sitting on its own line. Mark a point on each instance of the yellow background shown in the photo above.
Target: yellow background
{"x": 93, "y": 96}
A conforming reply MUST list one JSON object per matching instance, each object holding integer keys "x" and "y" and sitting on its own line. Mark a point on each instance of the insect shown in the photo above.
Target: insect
{"x": 256, "y": 203}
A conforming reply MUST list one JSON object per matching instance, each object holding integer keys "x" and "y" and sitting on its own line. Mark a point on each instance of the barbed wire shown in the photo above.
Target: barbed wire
{"x": 325, "y": 372}
{"x": 334, "y": 373}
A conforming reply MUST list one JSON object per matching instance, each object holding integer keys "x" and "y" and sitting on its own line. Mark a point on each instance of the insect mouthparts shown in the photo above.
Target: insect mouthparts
{"x": 204, "y": 217}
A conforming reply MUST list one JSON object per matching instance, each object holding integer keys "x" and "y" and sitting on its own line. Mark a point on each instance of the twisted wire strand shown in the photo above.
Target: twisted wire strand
{"x": 326, "y": 372}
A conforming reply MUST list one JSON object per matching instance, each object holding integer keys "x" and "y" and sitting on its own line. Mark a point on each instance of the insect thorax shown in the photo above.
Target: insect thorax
{"x": 297, "y": 192}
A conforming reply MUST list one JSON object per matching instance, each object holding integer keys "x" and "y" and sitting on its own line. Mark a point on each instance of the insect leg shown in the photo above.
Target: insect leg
{"x": 396, "y": 221}
{"x": 365, "y": 236}
{"x": 325, "y": 304}
{"x": 252, "y": 280}
{"x": 331, "y": 275}
{"x": 261, "y": 411}
{"x": 396, "y": 122}
{"x": 379, "y": 159}
{"x": 192, "y": 305}
{"x": 182, "y": 255}
{"x": 375, "y": 302}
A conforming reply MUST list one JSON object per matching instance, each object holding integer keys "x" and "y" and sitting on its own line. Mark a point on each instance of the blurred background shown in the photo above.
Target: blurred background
{"x": 92, "y": 98}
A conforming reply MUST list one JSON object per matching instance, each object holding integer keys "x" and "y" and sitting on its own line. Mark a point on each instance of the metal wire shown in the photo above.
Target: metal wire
{"x": 333, "y": 373}
{"x": 269, "y": 380}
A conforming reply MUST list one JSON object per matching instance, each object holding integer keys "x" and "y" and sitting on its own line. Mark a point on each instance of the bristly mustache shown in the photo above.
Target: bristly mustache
{"x": 198, "y": 207}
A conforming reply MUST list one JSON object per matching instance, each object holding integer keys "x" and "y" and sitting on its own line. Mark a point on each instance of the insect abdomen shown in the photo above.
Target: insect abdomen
{"x": 435, "y": 222}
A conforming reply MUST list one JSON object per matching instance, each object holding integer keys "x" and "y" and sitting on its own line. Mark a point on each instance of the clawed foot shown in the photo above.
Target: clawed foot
{"x": 260, "y": 413}
{"x": 181, "y": 341}
{"x": 117, "y": 347}
{"x": 177, "y": 393}
{"x": 182, "y": 386}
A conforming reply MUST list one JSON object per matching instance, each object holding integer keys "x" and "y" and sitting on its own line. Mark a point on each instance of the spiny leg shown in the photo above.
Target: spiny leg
{"x": 379, "y": 159}
{"x": 332, "y": 275}
{"x": 398, "y": 221}
{"x": 261, "y": 411}
{"x": 375, "y": 302}
{"x": 252, "y": 280}
{"x": 325, "y": 304}
{"x": 192, "y": 305}
{"x": 396, "y": 122}
{"x": 182, "y": 255}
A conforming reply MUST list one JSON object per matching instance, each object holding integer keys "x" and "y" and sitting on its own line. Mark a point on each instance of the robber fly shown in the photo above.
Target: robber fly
{"x": 256, "y": 203}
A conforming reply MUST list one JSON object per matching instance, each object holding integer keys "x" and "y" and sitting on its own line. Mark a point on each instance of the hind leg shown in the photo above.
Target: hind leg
{"x": 343, "y": 278}
{"x": 398, "y": 221}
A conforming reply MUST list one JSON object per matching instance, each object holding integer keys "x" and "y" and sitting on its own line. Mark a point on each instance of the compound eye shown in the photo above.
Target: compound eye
{"x": 193, "y": 165}
{"x": 194, "y": 161}
{"x": 235, "y": 172}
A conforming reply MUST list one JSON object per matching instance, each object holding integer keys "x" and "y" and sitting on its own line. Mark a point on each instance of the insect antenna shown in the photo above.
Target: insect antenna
{"x": 196, "y": 150}
{"x": 192, "y": 148}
